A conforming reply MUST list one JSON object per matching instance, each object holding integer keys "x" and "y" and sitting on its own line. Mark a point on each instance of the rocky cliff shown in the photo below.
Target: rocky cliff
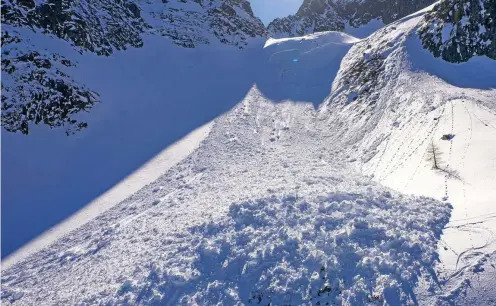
{"x": 36, "y": 87}
{"x": 333, "y": 15}
{"x": 457, "y": 30}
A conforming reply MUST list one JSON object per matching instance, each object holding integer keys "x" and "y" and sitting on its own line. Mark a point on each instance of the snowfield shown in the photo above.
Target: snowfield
{"x": 313, "y": 189}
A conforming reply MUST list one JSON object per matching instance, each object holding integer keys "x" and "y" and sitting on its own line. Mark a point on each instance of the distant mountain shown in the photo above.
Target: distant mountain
{"x": 332, "y": 15}
{"x": 35, "y": 84}
{"x": 457, "y": 30}
{"x": 190, "y": 23}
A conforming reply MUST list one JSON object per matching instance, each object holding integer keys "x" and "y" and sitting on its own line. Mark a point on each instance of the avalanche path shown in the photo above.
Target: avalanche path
{"x": 266, "y": 210}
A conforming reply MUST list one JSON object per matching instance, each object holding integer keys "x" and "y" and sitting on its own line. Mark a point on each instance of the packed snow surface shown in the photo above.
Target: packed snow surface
{"x": 299, "y": 194}
{"x": 149, "y": 100}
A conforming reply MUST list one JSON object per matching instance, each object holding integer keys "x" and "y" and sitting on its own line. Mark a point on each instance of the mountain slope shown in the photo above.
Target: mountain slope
{"x": 390, "y": 101}
{"x": 459, "y": 30}
{"x": 66, "y": 84}
{"x": 221, "y": 228}
{"x": 236, "y": 223}
{"x": 338, "y": 15}
{"x": 39, "y": 89}
{"x": 297, "y": 195}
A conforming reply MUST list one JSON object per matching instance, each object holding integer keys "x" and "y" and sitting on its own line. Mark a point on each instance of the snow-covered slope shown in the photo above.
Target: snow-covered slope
{"x": 119, "y": 71}
{"x": 237, "y": 223}
{"x": 299, "y": 194}
{"x": 147, "y": 103}
{"x": 391, "y": 99}
{"x": 38, "y": 84}
{"x": 264, "y": 211}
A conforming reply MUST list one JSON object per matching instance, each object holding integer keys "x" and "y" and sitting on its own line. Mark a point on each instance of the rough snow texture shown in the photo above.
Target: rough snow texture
{"x": 36, "y": 88}
{"x": 236, "y": 223}
{"x": 39, "y": 91}
{"x": 457, "y": 30}
{"x": 336, "y": 15}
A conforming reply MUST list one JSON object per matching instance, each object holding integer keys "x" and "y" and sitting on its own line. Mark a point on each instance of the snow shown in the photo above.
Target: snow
{"x": 309, "y": 78}
{"x": 323, "y": 38}
{"x": 420, "y": 99}
{"x": 147, "y": 105}
{"x": 302, "y": 192}
{"x": 146, "y": 174}
{"x": 364, "y": 30}
{"x": 446, "y": 33}
{"x": 236, "y": 222}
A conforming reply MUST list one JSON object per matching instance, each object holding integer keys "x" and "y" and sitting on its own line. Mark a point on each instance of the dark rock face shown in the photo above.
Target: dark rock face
{"x": 313, "y": 16}
{"x": 457, "y": 30}
{"x": 190, "y": 23}
{"x": 38, "y": 91}
{"x": 99, "y": 26}
{"x": 332, "y": 15}
{"x": 361, "y": 12}
{"x": 36, "y": 88}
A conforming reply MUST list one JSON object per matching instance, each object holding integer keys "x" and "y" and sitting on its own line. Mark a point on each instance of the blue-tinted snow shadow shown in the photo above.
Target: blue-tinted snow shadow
{"x": 253, "y": 256}
{"x": 299, "y": 75}
{"x": 479, "y": 72}
{"x": 150, "y": 99}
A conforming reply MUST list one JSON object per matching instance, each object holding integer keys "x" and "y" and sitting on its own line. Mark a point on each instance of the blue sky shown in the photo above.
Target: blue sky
{"x": 268, "y": 10}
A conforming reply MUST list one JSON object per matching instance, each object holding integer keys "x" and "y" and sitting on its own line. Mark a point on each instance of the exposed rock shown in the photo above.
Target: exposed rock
{"x": 39, "y": 91}
{"x": 27, "y": 3}
{"x": 190, "y": 23}
{"x": 97, "y": 26}
{"x": 313, "y": 16}
{"x": 457, "y": 30}
{"x": 134, "y": 9}
{"x": 332, "y": 15}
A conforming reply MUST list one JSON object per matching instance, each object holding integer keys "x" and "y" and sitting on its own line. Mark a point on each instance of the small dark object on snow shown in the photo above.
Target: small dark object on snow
{"x": 448, "y": 136}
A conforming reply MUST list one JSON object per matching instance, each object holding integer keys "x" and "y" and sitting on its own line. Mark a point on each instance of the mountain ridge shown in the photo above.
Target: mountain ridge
{"x": 32, "y": 79}
{"x": 335, "y": 15}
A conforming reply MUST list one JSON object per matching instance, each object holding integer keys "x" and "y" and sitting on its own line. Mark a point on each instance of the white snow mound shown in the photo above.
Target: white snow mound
{"x": 341, "y": 248}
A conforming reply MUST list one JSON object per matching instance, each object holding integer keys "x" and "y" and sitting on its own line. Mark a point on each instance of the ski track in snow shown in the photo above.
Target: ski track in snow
{"x": 282, "y": 204}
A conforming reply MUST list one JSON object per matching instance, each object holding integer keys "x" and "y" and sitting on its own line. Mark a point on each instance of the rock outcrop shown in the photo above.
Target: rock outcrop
{"x": 457, "y": 30}
{"x": 332, "y": 15}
